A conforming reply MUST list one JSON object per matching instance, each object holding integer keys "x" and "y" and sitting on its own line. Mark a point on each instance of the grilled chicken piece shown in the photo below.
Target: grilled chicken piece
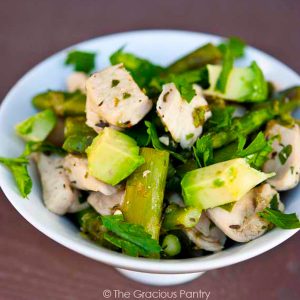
{"x": 206, "y": 235}
{"x": 242, "y": 224}
{"x": 76, "y": 82}
{"x": 175, "y": 198}
{"x": 183, "y": 120}
{"x": 76, "y": 169}
{"x": 113, "y": 97}
{"x": 284, "y": 160}
{"x": 76, "y": 206}
{"x": 57, "y": 192}
{"x": 93, "y": 119}
{"x": 106, "y": 205}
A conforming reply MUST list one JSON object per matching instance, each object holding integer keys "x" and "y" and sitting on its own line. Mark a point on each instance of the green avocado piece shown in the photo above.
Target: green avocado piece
{"x": 220, "y": 183}
{"x": 113, "y": 156}
{"x": 37, "y": 127}
{"x": 242, "y": 85}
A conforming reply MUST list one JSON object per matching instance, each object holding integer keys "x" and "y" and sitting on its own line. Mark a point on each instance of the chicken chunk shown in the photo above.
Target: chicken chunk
{"x": 106, "y": 205}
{"x": 76, "y": 82}
{"x": 57, "y": 192}
{"x": 77, "y": 171}
{"x": 206, "y": 235}
{"x": 93, "y": 119}
{"x": 76, "y": 206}
{"x": 242, "y": 223}
{"x": 113, "y": 97}
{"x": 183, "y": 120}
{"x": 284, "y": 160}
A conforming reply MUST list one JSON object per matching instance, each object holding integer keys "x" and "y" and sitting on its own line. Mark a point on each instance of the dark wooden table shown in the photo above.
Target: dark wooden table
{"x": 33, "y": 267}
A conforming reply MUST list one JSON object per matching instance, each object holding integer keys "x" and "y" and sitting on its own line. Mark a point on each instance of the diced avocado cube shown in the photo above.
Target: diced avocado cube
{"x": 113, "y": 156}
{"x": 243, "y": 84}
{"x": 37, "y": 127}
{"x": 220, "y": 183}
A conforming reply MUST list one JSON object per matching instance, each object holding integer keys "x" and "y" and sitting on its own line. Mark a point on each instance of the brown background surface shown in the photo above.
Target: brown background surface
{"x": 34, "y": 267}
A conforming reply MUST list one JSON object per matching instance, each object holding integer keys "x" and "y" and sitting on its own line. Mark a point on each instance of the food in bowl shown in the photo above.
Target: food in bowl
{"x": 173, "y": 161}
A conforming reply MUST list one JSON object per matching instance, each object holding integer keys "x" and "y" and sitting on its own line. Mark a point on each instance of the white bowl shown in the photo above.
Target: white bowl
{"x": 161, "y": 47}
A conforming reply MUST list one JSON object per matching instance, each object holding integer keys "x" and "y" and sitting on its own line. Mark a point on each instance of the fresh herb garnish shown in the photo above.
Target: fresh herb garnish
{"x": 139, "y": 134}
{"x": 261, "y": 156}
{"x": 228, "y": 206}
{"x": 18, "y": 168}
{"x": 235, "y": 45}
{"x": 292, "y": 168}
{"x": 151, "y": 130}
{"x": 183, "y": 82}
{"x": 256, "y": 153}
{"x": 280, "y": 219}
{"x": 285, "y": 153}
{"x": 221, "y": 118}
{"x": 126, "y": 95}
{"x": 185, "y": 88}
{"x": 81, "y": 60}
{"x": 274, "y": 203}
{"x": 141, "y": 69}
{"x": 198, "y": 115}
{"x": 226, "y": 69}
{"x": 203, "y": 151}
{"x": 131, "y": 238}
{"x": 255, "y": 146}
{"x": 115, "y": 82}
{"x": 189, "y": 136}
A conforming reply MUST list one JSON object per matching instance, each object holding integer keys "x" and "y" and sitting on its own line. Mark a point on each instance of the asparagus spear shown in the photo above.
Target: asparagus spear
{"x": 283, "y": 102}
{"x": 63, "y": 103}
{"x": 207, "y": 54}
{"x": 257, "y": 117}
{"x": 290, "y": 93}
{"x": 78, "y": 136}
{"x": 90, "y": 224}
{"x": 242, "y": 126}
{"x": 145, "y": 191}
{"x": 177, "y": 217}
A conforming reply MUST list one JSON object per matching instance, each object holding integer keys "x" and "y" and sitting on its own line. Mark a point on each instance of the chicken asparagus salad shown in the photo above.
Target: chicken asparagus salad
{"x": 164, "y": 161}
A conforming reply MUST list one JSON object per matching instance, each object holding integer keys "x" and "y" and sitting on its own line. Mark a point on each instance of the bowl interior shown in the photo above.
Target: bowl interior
{"x": 162, "y": 47}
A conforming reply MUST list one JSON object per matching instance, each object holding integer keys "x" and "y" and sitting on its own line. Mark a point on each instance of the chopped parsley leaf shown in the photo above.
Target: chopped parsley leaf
{"x": 285, "y": 153}
{"x": 126, "y": 95}
{"x": 280, "y": 219}
{"x": 115, "y": 82}
{"x": 81, "y": 60}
